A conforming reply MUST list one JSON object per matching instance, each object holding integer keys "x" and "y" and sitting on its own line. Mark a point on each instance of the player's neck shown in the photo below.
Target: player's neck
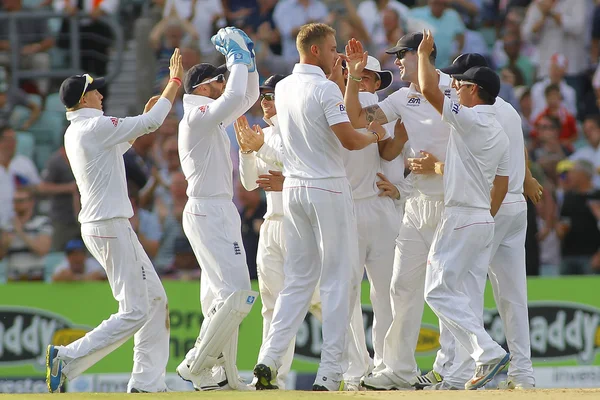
{"x": 415, "y": 83}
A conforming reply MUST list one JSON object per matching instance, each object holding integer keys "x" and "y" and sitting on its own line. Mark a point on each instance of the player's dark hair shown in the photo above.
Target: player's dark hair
{"x": 595, "y": 118}
{"x": 551, "y": 88}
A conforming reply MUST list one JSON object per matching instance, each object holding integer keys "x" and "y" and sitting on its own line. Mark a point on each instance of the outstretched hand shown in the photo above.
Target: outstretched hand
{"x": 356, "y": 57}
{"x": 426, "y": 46}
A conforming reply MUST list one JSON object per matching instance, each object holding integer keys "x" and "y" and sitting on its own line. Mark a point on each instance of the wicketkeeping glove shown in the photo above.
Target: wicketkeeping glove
{"x": 233, "y": 46}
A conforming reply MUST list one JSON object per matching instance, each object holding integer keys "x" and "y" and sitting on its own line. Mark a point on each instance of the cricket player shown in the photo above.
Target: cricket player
{"x": 211, "y": 221}
{"x": 423, "y": 208}
{"x": 477, "y": 160}
{"x": 261, "y": 152}
{"x": 95, "y": 144}
{"x": 507, "y": 266}
{"x": 319, "y": 224}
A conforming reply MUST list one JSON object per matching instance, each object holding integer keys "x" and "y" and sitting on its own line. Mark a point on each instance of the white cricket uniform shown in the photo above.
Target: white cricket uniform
{"x": 95, "y": 144}
{"x": 319, "y": 222}
{"x": 394, "y": 171}
{"x": 377, "y": 223}
{"x": 507, "y": 272}
{"x": 271, "y": 244}
{"x": 477, "y": 152}
{"x": 422, "y": 212}
{"x": 211, "y": 221}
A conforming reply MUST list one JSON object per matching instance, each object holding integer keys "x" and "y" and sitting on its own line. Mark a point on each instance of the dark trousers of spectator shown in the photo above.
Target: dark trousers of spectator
{"x": 576, "y": 265}
{"x": 532, "y": 248}
{"x": 63, "y": 233}
{"x": 583, "y": 88}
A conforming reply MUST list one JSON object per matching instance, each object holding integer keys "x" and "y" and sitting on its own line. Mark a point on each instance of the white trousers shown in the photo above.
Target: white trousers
{"x": 213, "y": 228}
{"x": 507, "y": 275}
{"x": 377, "y": 222}
{"x": 420, "y": 220}
{"x": 143, "y": 310}
{"x": 269, "y": 263}
{"x": 321, "y": 241}
{"x": 461, "y": 253}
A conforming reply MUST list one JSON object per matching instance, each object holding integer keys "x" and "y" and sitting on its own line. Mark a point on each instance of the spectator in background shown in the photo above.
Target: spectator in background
{"x": 207, "y": 19}
{"x": 170, "y": 217}
{"x": 591, "y": 152}
{"x": 549, "y": 150}
{"x": 237, "y": 12}
{"x": 261, "y": 21}
{"x": 34, "y": 39}
{"x": 578, "y": 226}
{"x": 185, "y": 265}
{"x": 24, "y": 171}
{"x": 59, "y": 183}
{"x": 170, "y": 165}
{"x": 96, "y": 36}
{"x": 190, "y": 53}
{"x": 512, "y": 28}
{"x": 141, "y": 169}
{"x": 27, "y": 241}
{"x": 554, "y": 108}
{"x": 447, "y": 26}
{"x": 145, "y": 224}
{"x": 523, "y": 95}
{"x": 168, "y": 34}
{"x": 556, "y": 76}
{"x": 77, "y": 265}
{"x": 513, "y": 57}
{"x": 168, "y": 129}
{"x": 7, "y": 179}
{"x": 10, "y": 97}
{"x": 253, "y": 208}
{"x": 289, "y": 16}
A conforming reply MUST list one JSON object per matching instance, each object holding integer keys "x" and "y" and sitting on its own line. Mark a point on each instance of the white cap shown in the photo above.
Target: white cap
{"x": 385, "y": 76}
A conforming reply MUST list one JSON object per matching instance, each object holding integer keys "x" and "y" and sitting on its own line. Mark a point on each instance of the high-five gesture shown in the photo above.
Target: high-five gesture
{"x": 356, "y": 57}
{"x": 239, "y": 125}
{"x": 175, "y": 65}
{"x": 426, "y": 46}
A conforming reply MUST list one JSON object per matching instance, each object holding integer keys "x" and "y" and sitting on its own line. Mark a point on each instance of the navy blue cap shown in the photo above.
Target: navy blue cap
{"x": 199, "y": 73}
{"x": 270, "y": 82}
{"x": 466, "y": 61}
{"x": 72, "y": 89}
{"x": 484, "y": 77}
{"x": 410, "y": 41}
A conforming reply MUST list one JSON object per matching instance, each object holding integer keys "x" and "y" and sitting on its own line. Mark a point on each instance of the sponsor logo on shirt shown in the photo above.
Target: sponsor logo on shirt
{"x": 203, "y": 108}
{"x": 341, "y": 106}
{"x": 413, "y": 102}
{"x": 236, "y": 248}
{"x": 115, "y": 121}
{"x": 455, "y": 108}
{"x": 447, "y": 93}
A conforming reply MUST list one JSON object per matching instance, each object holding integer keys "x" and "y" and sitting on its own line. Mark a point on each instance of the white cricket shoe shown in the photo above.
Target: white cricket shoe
{"x": 511, "y": 384}
{"x": 443, "y": 385}
{"x": 385, "y": 381}
{"x": 486, "y": 372}
{"x": 202, "y": 381}
{"x": 352, "y": 386}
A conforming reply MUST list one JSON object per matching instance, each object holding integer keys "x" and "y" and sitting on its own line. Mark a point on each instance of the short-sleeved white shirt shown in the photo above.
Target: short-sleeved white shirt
{"x": 308, "y": 104}
{"x": 363, "y": 165}
{"x": 426, "y": 131}
{"x": 477, "y": 152}
{"x": 510, "y": 121}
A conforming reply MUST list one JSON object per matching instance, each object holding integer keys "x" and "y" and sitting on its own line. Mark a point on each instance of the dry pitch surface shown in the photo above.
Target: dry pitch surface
{"x": 538, "y": 394}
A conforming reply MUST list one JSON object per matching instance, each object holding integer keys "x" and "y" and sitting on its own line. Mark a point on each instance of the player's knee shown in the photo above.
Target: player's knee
{"x": 137, "y": 316}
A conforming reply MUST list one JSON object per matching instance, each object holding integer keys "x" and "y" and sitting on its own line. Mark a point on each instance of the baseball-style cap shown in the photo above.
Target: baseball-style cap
{"x": 484, "y": 77}
{"x": 385, "y": 75}
{"x": 462, "y": 63}
{"x": 200, "y": 72}
{"x": 270, "y": 82}
{"x": 410, "y": 41}
{"x": 74, "y": 87}
{"x": 73, "y": 245}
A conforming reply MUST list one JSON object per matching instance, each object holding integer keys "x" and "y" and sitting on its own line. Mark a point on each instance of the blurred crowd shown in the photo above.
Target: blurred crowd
{"x": 546, "y": 52}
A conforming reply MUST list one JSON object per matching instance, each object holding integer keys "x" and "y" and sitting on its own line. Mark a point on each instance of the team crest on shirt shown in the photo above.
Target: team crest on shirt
{"x": 203, "y": 108}
{"x": 341, "y": 106}
{"x": 413, "y": 101}
{"x": 115, "y": 121}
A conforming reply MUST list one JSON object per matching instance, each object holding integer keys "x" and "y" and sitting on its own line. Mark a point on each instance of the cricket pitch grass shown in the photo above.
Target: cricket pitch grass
{"x": 537, "y": 394}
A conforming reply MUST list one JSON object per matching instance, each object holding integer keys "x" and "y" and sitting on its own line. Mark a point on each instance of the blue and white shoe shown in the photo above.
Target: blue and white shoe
{"x": 54, "y": 366}
{"x": 486, "y": 372}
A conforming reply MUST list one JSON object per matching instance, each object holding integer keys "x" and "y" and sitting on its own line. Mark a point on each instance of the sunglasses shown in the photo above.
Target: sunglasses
{"x": 465, "y": 83}
{"x": 267, "y": 96}
{"x": 401, "y": 53}
{"x": 219, "y": 79}
{"x": 88, "y": 81}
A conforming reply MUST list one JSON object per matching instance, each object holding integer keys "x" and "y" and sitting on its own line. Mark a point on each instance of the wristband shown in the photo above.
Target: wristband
{"x": 376, "y": 135}
{"x": 176, "y": 80}
{"x": 246, "y": 152}
{"x": 355, "y": 79}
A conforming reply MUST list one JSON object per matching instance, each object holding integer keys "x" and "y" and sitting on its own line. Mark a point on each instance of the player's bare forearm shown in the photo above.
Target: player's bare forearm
{"x": 391, "y": 148}
{"x": 499, "y": 190}
{"x": 353, "y": 107}
{"x": 428, "y": 82}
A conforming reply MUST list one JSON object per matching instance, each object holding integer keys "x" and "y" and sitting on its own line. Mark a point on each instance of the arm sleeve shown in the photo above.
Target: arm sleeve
{"x": 250, "y": 98}
{"x": 503, "y": 167}
{"x": 392, "y": 113}
{"x": 227, "y": 104}
{"x": 532, "y": 16}
{"x": 333, "y": 105}
{"x": 248, "y": 171}
{"x": 113, "y": 131}
{"x": 270, "y": 155}
{"x": 282, "y": 24}
{"x": 574, "y": 19}
{"x": 459, "y": 117}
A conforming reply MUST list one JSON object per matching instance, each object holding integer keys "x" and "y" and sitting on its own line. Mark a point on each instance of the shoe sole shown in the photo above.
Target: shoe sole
{"x": 263, "y": 376}
{"x": 369, "y": 387}
{"x": 49, "y": 351}
{"x": 487, "y": 379}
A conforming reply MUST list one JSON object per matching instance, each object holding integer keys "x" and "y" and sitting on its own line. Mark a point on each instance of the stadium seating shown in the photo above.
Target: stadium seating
{"x": 52, "y": 261}
{"x": 25, "y": 144}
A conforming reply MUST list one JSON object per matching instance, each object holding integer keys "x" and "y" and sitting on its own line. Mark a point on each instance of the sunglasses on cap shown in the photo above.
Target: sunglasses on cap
{"x": 267, "y": 96}
{"x": 219, "y": 79}
{"x": 88, "y": 81}
{"x": 401, "y": 53}
{"x": 465, "y": 83}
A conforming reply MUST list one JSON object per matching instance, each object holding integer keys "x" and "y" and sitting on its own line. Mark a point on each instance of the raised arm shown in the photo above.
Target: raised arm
{"x": 428, "y": 77}
{"x": 359, "y": 117}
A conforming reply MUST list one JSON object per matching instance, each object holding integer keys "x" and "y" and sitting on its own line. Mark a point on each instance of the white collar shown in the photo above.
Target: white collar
{"x": 84, "y": 113}
{"x": 308, "y": 69}
{"x": 271, "y": 121}
{"x": 191, "y": 101}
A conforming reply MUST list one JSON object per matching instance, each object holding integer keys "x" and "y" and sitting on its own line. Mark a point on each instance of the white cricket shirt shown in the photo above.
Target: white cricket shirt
{"x": 363, "y": 165}
{"x": 204, "y": 147}
{"x": 477, "y": 152}
{"x": 95, "y": 144}
{"x": 426, "y": 131}
{"x": 510, "y": 121}
{"x": 268, "y": 157}
{"x": 308, "y": 104}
